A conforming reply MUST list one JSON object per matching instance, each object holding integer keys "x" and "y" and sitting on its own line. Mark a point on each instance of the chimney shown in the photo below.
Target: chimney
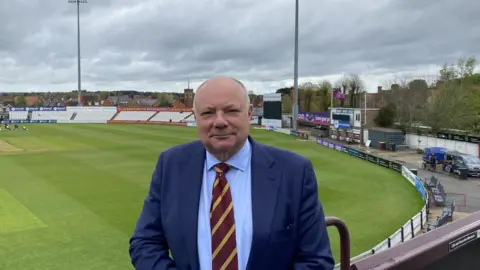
{"x": 379, "y": 89}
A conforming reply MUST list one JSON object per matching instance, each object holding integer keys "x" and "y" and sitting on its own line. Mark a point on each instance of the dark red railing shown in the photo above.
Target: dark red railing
{"x": 344, "y": 241}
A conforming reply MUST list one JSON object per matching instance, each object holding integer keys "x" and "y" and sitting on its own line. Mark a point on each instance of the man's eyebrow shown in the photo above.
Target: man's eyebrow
{"x": 207, "y": 108}
{"x": 226, "y": 106}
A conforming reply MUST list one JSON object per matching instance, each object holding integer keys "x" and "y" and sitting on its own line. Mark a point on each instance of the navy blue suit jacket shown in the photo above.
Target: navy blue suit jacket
{"x": 289, "y": 229}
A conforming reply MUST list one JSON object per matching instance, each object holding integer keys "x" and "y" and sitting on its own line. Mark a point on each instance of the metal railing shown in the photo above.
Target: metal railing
{"x": 344, "y": 240}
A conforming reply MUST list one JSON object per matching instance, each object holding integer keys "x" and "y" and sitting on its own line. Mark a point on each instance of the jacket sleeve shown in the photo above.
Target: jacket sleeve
{"x": 313, "y": 246}
{"x": 148, "y": 247}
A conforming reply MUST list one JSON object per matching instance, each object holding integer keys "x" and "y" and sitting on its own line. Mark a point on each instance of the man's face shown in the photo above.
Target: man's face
{"x": 222, "y": 116}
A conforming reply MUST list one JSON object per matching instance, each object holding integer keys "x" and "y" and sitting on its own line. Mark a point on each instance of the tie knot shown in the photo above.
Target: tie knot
{"x": 222, "y": 168}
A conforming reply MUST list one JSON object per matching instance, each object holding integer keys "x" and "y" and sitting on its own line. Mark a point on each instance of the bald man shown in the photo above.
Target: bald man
{"x": 228, "y": 202}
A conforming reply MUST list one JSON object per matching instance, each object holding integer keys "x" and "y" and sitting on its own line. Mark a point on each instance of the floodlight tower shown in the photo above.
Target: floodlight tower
{"x": 295, "y": 72}
{"x": 78, "y": 2}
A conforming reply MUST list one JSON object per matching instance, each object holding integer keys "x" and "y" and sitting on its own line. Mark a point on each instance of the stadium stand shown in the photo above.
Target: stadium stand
{"x": 62, "y": 114}
{"x": 134, "y": 115}
{"x": 59, "y": 116}
{"x": 170, "y": 116}
{"x": 101, "y": 115}
{"x": 173, "y": 116}
{"x": 93, "y": 116}
{"x": 18, "y": 115}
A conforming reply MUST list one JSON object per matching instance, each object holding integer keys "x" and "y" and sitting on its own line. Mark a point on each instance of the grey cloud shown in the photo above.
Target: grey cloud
{"x": 154, "y": 43}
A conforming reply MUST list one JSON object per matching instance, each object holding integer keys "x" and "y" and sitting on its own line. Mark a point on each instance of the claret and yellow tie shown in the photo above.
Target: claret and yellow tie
{"x": 222, "y": 223}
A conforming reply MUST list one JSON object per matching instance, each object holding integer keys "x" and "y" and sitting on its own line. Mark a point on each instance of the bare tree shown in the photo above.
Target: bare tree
{"x": 315, "y": 97}
{"x": 324, "y": 93}
{"x": 350, "y": 85}
{"x": 396, "y": 80}
{"x": 356, "y": 86}
{"x": 419, "y": 94}
{"x": 342, "y": 84}
{"x": 309, "y": 94}
{"x": 400, "y": 98}
{"x": 408, "y": 99}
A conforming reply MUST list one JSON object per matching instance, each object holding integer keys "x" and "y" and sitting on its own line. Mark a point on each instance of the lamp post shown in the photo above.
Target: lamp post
{"x": 78, "y": 2}
{"x": 295, "y": 72}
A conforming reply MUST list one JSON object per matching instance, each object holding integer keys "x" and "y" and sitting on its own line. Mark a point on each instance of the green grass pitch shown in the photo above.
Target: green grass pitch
{"x": 70, "y": 194}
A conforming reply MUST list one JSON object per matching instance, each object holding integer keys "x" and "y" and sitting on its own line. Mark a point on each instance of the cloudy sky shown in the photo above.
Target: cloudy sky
{"x": 159, "y": 44}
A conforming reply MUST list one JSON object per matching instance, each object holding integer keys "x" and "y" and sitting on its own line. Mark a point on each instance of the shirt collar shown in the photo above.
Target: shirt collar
{"x": 240, "y": 160}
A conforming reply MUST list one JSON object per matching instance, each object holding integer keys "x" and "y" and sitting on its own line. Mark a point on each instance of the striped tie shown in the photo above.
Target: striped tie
{"x": 222, "y": 223}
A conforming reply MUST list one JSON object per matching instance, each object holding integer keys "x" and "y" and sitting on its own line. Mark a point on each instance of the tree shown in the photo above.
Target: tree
{"x": 103, "y": 94}
{"x": 287, "y": 103}
{"x": 408, "y": 100}
{"x": 418, "y": 89}
{"x": 39, "y": 103}
{"x": 308, "y": 96}
{"x": 465, "y": 67}
{"x": 400, "y": 98}
{"x": 165, "y": 100}
{"x": 356, "y": 86}
{"x": 448, "y": 73}
{"x": 252, "y": 97}
{"x": 386, "y": 116}
{"x": 351, "y": 85}
{"x": 455, "y": 106}
{"x": 324, "y": 94}
{"x": 20, "y": 101}
{"x": 342, "y": 84}
{"x": 284, "y": 91}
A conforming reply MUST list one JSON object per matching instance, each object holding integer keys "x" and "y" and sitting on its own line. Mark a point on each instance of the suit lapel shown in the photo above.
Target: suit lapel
{"x": 191, "y": 178}
{"x": 265, "y": 183}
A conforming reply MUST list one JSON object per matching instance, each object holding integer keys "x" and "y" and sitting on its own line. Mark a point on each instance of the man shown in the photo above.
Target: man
{"x": 433, "y": 162}
{"x": 228, "y": 202}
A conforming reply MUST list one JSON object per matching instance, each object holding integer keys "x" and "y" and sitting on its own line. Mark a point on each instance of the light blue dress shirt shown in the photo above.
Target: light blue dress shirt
{"x": 239, "y": 179}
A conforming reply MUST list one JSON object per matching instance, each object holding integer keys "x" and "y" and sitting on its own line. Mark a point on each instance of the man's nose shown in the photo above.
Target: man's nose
{"x": 220, "y": 120}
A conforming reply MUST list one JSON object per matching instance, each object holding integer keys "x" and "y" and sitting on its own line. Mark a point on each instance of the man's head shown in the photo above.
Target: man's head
{"x": 222, "y": 112}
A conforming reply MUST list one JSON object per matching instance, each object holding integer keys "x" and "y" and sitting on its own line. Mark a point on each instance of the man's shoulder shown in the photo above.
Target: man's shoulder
{"x": 284, "y": 156}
